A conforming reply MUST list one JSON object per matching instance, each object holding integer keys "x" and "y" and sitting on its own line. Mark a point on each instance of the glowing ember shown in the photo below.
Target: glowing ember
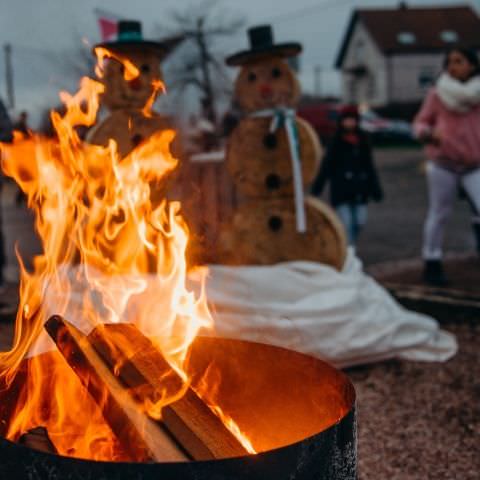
{"x": 110, "y": 255}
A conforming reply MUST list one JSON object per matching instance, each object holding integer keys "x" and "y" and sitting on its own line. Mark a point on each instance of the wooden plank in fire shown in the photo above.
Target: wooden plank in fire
{"x": 38, "y": 439}
{"x": 144, "y": 438}
{"x": 140, "y": 366}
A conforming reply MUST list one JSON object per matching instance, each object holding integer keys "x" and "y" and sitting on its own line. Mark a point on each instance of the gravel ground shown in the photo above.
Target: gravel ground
{"x": 421, "y": 420}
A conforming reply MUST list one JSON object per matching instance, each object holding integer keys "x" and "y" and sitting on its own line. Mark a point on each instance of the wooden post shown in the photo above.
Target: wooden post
{"x": 9, "y": 75}
{"x": 317, "y": 71}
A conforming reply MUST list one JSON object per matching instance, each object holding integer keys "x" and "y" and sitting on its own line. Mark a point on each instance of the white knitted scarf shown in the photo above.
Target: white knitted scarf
{"x": 458, "y": 96}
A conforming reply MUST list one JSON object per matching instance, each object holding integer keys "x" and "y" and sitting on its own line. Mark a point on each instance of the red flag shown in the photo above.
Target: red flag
{"x": 107, "y": 23}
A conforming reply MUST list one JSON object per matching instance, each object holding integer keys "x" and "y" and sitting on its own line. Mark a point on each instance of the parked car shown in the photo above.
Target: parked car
{"x": 385, "y": 129}
{"x": 323, "y": 117}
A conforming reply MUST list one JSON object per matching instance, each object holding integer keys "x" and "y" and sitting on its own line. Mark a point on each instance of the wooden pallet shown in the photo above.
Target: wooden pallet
{"x": 460, "y": 299}
{"x": 441, "y": 303}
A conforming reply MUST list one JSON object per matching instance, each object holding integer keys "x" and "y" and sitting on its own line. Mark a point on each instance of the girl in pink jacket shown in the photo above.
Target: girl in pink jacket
{"x": 449, "y": 124}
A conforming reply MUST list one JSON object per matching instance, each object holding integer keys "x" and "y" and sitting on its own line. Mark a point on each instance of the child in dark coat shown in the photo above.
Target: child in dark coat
{"x": 348, "y": 166}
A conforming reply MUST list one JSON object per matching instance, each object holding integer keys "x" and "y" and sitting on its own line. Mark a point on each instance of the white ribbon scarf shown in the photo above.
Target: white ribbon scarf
{"x": 286, "y": 116}
{"x": 458, "y": 96}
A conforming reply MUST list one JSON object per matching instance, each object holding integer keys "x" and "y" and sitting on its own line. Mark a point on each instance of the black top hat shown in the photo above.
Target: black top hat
{"x": 262, "y": 45}
{"x": 129, "y": 37}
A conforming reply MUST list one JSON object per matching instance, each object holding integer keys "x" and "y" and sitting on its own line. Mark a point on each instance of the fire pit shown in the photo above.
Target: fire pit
{"x": 297, "y": 411}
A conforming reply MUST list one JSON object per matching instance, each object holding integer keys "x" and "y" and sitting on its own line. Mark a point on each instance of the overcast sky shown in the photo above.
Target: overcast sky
{"x": 44, "y": 33}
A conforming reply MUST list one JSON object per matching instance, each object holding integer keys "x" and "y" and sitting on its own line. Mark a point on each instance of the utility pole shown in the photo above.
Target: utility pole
{"x": 9, "y": 75}
{"x": 317, "y": 71}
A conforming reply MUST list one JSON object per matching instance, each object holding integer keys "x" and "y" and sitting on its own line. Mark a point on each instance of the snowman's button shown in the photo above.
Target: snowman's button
{"x": 272, "y": 181}
{"x": 270, "y": 141}
{"x": 275, "y": 223}
{"x": 136, "y": 139}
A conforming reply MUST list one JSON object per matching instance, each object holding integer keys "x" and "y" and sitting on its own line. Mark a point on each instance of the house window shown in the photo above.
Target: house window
{"x": 426, "y": 78}
{"x": 352, "y": 90}
{"x": 449, "y": 36}
{"x": 359, "y": 50}
{"x": 406, "y": 38}
{"x": 371, "y": 87}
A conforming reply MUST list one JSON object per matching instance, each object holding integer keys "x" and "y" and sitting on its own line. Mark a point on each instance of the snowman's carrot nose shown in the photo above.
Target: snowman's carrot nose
{"x": 135, "y": 84}
{"x": 266, "y": 91}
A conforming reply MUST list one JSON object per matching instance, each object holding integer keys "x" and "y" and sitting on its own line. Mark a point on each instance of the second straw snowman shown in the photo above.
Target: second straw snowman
{"x": 127, "y": 122}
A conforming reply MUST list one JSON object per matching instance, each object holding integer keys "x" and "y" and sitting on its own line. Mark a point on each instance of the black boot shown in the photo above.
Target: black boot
{"x": 476, "y": 233}
{"x": 433, "y": 273}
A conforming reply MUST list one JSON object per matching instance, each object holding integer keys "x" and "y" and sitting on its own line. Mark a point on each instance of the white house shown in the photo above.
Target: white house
{"x": 391, "y": 56}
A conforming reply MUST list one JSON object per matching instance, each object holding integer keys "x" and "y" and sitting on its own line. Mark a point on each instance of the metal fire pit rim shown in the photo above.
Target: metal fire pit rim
{"x": 298, "y": 443}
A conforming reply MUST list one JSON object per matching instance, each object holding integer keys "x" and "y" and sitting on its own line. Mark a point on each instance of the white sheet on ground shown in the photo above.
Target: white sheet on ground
{"x": 344, "y": 317}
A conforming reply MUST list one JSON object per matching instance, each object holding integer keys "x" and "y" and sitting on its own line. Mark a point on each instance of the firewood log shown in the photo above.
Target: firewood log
{"x": 142, "y": 437}
{"x": 140, "y": 366}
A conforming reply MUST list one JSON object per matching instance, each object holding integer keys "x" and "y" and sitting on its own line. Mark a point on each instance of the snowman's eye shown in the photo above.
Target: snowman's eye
{"x": 252, "y": 77}
{"x": 276, "y": 72}
{"x": 145, "y": 68}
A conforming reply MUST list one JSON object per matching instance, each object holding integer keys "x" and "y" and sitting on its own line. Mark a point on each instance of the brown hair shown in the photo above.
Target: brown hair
{"x": 470, "y": 55}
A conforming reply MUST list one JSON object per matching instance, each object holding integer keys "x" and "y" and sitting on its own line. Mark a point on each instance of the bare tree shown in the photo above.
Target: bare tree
{"x": 199, "y": 64}
{"x": 79, "y": 61}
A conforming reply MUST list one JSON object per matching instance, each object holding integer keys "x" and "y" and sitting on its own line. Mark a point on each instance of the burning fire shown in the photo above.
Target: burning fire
{"x": 110, "y": 255}
{"x": 207, "y": 389}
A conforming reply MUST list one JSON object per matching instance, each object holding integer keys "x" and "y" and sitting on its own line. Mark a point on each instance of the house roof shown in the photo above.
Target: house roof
{"x": 421, "y": 29}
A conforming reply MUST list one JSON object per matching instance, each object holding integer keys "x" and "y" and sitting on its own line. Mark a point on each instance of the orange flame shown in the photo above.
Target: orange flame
{"x": 110, "y": 255}
{"x": 157, "y": 85}
{"x": 207, "y": 390}
{"x": 130, "y": 70}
